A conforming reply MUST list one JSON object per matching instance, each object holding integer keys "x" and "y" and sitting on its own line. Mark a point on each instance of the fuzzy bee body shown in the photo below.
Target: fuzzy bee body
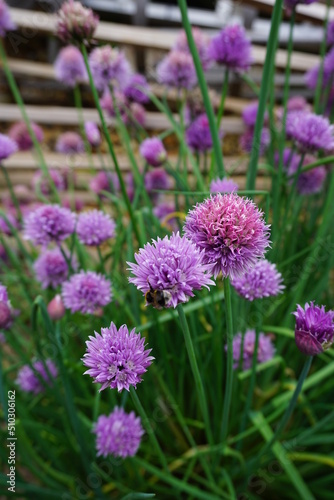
{"x": 157, "y": 298}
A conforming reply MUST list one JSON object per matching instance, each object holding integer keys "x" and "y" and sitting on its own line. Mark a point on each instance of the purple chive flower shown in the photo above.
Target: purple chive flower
{"x": 312, "y": 75}
{"x": 6, "y": 312}
{"x": 108, "y": 65}
{"x": 70, "y": 143}
{"x": 93, "y": 134}
{"x": 263, "y": 280}
{"x": 105, "y": 181}
{"x": 156, "y": 179}
{"x": 224, "y": 185}
{"x": 86, "y": 292}
{"x": 19, "y": 133}
{"x": 137, "y": 89}
{"x": 70, "y": 66}
{"x": 137, "y": 114}
{"x": 310, "y": 132}
{"x": 153, "y": 151}
{"x": 7, "y": 146}
{"x": 51, "y": 268}
{"x": 330, "y": 33}
{"x": 198, "y": 134}
{"x": 107, "y": 104}
{"x": 249, "y": 114}
{"x": 117, "y": 358}
{"x": 6, "y": 23}
{"x": 202, "y": 42}
{"x": 49, "y": 223}
{"x": 311, "y": 181}
{"x": 29, "y": 381}
{"x": 265, "y": 351}
{"x": 7, "y": 222}
{"x": 173, "y": 265}
{"x": 42, "y": 182}
{"x": 232, "y": 48}
{"x": 231, "y": 232}
{"x": 94, "y": 227}
{"x": 314, "y": 329}
{"x": 76, "y": 23}
{"x": 118, "y": 434}
{"x": 290, "y": 160}
{"x": 177, "y": 70}
{"x": 246, "y": 140}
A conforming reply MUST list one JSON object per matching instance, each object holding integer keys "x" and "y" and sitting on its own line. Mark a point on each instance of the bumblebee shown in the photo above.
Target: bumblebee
{"x": 157, "y": 298}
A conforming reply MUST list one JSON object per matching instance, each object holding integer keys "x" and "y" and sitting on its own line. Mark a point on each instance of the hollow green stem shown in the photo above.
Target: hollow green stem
{"x": 196, "y": 373}
{"x": 229, "y": 364}
{"x": 204, "y": 89}
{"x": 109, "y": 143}
{"x": 318, "y": 90}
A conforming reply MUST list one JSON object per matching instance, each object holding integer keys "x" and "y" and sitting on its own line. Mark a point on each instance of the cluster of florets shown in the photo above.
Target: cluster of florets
{"x": 263, "y": 280}
{"x": 36, "y": 377}
{"x": 6, "y": 311}
{"x": 76, "y": 23}
{"x": 198, "y": 134}
{"x": 7, "y": 147}
{"x": 109, "y": 64}
{"x": 177, "y": 70}
{"x": 243, "y": 349}
{"x": 232, "y": 48}
{"x": 314, "y": 331}
{"x": 20, "y": 134}
{"x": 70, "y": 66}
{"x": 249, "y": 115}
{"x": 95, "y": 227}
{"x": 310, "y": 132}
{"x": 86, "y": 292}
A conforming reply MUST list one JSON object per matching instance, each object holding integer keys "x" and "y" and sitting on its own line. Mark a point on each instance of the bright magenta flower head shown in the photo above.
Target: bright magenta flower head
{"x": 118, "y": 434}
{"x": 76, "y": 23}
{"x": 314, "y": 329}
{"x": 49, "y": 223}
{"x": 230, "y": 231}
{"x": 86, "y": 292}
{"x": 232, "y": 48}
{"x": 94, "y": 227}
{"x": 153, "y": 151}
{"x": 117, "y": 358}
{"x": 172, "y": 266}
{"x": 7, "y": 147}
{"x": 19, "y": 133}
{"x": 263, "y": 280}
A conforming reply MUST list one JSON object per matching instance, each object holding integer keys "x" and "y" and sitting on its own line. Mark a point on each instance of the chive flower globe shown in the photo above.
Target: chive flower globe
{"x": 314, "y": 330}
{"x": 202, "y": 42}
{"x": 76, "y": 23}
{"x": 49, "y": 223}
{"x": 117, "y": 358}
{"x": 230, "y": 231}
{"x": 246, "y": 344}
{"x": 19, "y": 133}
{"x": 198, "y": 134}
{"x": 109, "y": 64}
{"x": 177, "y": 70}
{"x": 118, "y": 434}
{"x": 137, "y": 89}
{"x": 86, "y": 292}
{"x": 310, "y": 132}
{"x": 93, "y": 134}
{"x": 70, "y": 67}
{"x": 29, "y": 381}
{"x": 263, "y": 280}
{"x": 41, "y": 181}
{"x": 7, "y": 147}
{"x": 156, "y": 179}
{"x": 173, "y": 265}
{"x": 94, "y": 227}
{"x": 104, "y": 181}
{"x": 311, "y": 181}
{"x": 311, "y": 77}
{"x": 6, "y": 23}
{"x": 70, "y": 143}
{"x": 246, "y": 140}
{"x": 51, "y": 268}
{"x": 232, "y": 49}
{"x": 224, "y": 185}
{"x": 5, "y": 309}
{"x": 153, "y": 151}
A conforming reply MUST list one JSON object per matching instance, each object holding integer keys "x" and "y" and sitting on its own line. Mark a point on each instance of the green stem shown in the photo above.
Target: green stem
{"x": 196, "y": 373}
{"x": 265, "y": 85}
{"x": 318, "y": 90}
{"x": 148, "y": 427}
{"x": 204, "y": 89}
{"x": 310, "y": 166}
{"x": 19, "y": 101}
{"x": 229, "y": 365}
{"x": 222, "y": 100}
{"x": 108, "y": 139}
{"x": 11, "y": 191}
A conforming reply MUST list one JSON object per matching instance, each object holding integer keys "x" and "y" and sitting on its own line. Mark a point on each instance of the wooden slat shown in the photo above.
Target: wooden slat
{"x": 315, "y": 12}
{"x": 69, "y": 116}
{"x": 149, "y": 38}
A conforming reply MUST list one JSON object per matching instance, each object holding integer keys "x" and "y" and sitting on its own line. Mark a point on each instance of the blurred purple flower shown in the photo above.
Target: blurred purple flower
{"x": 56, "y": 308}
{"x": 94, "y": 227}
{"x": 177, "y": 70}
{"x": 75, "y": 23}
{"x": 51, "y": 268}
{"x": 19, "y": 133}
{"x": 49, "y": 223}
{"x": 86, "y": 292}
{"x": 28, "y": 381}
{"x": 231, "y": 232}
{"x": 249, "y": 114}
{"x": 246, "y": 140}
{"x": 70, "y": 66}
{"x": 70, "y": 143}
{"x": 310, "y": 132}
{"x": 7, "y": 222}
{"x": 163, "y": 212}
{"x": 153, "y": 151}
{"x": 198, "y": 134}
{"x": 311, "y": 181}
{"x": 224, "y": 185}
{"x": 232, "y": 48}
{"x": 93, "y": 134}
{"x": 202, "y": 42}
{"x": 265, "y": 351}
{"x": 6, "y": 311}
{"x": 263, "y": 280}
{"x": 314, "y": 329}
{"x": 173, "y": 265}
{"x": 7, "y": 146}
{"x": 105, "y": 181}
{"x": 312, "y": 75}
{"x": 118, "y": 434}
{"x": 156, "y": 179}
{"x": 109, "y": 65}
{"x": 6, "y": 23}
{"x": 117, "y": 358}
{"x": 41, "y": 181}
{"x": 137, "y": 89}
